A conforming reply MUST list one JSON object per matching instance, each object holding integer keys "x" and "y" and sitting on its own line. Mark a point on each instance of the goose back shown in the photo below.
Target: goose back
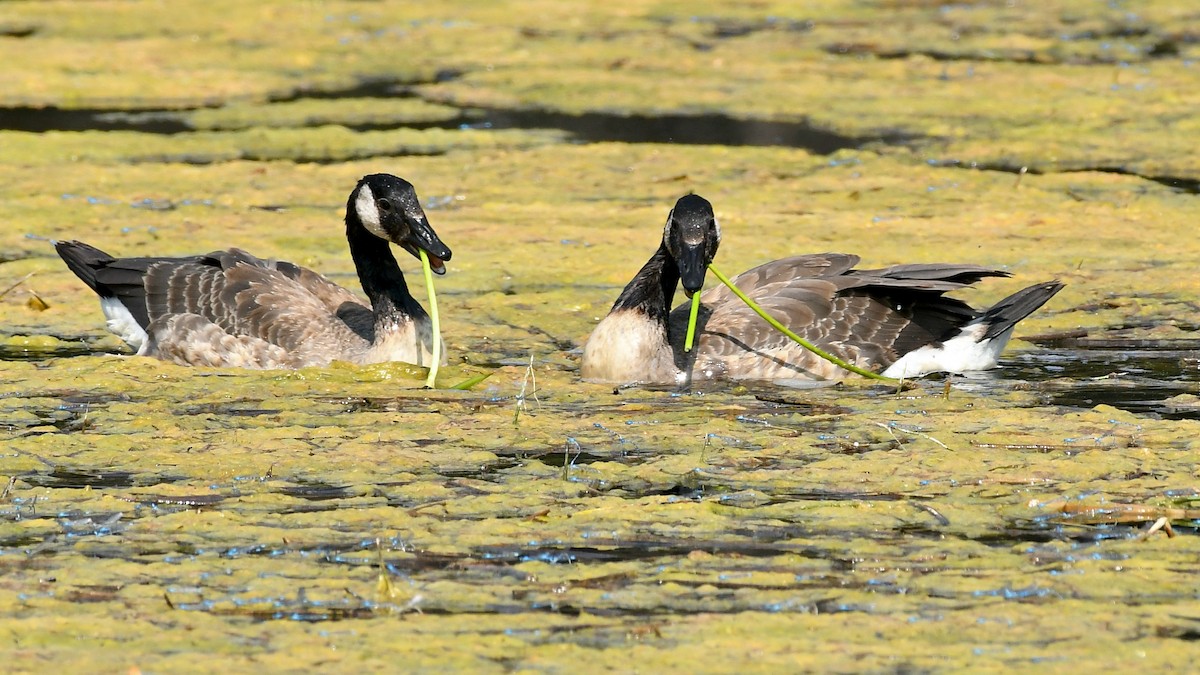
{"x": 868, "y": 317}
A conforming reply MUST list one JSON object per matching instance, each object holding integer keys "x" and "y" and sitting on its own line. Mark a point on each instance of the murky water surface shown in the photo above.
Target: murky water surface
{"x": 174, "y": 519}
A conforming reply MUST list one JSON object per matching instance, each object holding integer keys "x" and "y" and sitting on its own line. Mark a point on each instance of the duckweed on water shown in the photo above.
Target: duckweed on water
{"x": 178, "y": 519}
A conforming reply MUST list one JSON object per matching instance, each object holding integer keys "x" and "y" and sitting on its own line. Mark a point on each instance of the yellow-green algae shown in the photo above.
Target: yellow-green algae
{"x": 177, "y": 519}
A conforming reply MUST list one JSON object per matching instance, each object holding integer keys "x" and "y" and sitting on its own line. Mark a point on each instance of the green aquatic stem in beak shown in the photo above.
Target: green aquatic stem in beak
{"x": 691, "y": 331}
{"x": 433, "y": 315}
{"x": 799, "y": 340}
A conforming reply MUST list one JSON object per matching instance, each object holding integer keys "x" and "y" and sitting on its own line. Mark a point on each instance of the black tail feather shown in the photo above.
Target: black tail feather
{"x": 1005, "y": 314}
{"x": 83, "y": 259}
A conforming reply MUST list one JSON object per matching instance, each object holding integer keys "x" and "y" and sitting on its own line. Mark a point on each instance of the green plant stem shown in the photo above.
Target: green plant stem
{"x": 471, "y": 381}
{"x": 691, "y": 331}
{"x": 799, "y": 340}
{"x": 433, "y": 315}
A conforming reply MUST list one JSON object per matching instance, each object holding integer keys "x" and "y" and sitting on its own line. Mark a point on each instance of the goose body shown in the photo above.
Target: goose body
{"x": 894, "y": 320}
{"x": 230, "y": 308}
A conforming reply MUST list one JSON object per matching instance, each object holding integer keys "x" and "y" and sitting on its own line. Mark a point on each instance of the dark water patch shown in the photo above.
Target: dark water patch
{"x": 841, "y": 496}
{"x": 591, "y": 127}
{"x": 1188, "y": 185}
{"x": 1185, "y": 184}
{"x": 10, "y": 352}
{"x": 190, "y": 501}
{"x": 880, "y": 51}
{"x": 1130, "y": 397}
{"x": 93, "y": 524}
{"x": 1187, "y": 633}
{"x": 66, "y": 417}
{"x": 847, "y": 446}
{"x": 93, "y": 593}
{"x": 638, "y": 489}
{"x": 409, "y": 564}
{"x": 368, "y": 87}
{"x": 316, "y": 492}
{"x": 792, "y": 402}
{"x": 79, "y": 479}
{"x": 52, "y": 118}
{"x": 283, "y": 609}
{"x": 408, "y": 404}
{"x": 724, "y": 27}
{"x": 570, "y": 458}
{"x": 1143, "y": 50}
{"x": 162, "y": 122}
{"x": 174, "y": 121}
{"x": 1055, "y": 527}
{"x": 94, "y": 478}
{"x": 628, "y": 551}
{"x": 230, "y": 409}
{"x": 704, "y": 129}
{"x": 1145, "y": 378}
{"x": 82, "y": 398}
{"x": 18, "y": 30}
{"x": 490, "y": 472}
{"x": 73, "y": 415}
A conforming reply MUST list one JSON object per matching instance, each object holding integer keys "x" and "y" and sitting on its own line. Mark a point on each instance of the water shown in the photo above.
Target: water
{"x": 591, "y": 127}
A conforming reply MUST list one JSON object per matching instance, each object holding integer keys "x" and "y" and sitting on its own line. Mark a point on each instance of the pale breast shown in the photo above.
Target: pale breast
{"x": 627, "y": 346}
{"x": 407, "y": 341}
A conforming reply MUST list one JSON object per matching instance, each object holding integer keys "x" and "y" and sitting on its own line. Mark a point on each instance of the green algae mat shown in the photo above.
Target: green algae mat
{"x": 157, "y": 518}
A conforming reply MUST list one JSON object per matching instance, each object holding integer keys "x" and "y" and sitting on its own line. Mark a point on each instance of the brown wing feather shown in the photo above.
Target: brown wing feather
{"x": 292, "y": 308}
{"x": 329, "y": 293}
{"x": 270, "y": 306}
{"x": 339, "y": 301}
{"x": 867, "y": 317}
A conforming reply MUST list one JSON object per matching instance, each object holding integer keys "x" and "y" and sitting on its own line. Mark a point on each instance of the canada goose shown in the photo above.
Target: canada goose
{"x": 893, "y": 319}
{"x": 229, "y": 308}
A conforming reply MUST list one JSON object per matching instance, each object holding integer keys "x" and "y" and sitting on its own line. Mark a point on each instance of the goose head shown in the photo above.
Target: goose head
{"x": 692, "y": 236}
{"x": 388, "y": 208}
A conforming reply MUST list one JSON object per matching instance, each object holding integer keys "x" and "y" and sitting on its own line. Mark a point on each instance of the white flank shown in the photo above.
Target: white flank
{"x": 122, "y": 324}
{"x": 962, "y": 353}
{"x": 368, "y": 213}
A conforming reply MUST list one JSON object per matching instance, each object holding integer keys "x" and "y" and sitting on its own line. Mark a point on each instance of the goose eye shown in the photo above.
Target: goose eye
{"x": 383, "y": 205}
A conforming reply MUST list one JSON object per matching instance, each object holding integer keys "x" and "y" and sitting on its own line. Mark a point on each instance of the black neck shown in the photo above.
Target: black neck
{"x": 380, "y": 276}
{"x": 653, "y": 289}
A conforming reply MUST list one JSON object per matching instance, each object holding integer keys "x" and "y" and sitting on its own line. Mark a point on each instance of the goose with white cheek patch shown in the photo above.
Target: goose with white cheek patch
{"x": 895, "y": 320}
{"x": 231, "y": 309}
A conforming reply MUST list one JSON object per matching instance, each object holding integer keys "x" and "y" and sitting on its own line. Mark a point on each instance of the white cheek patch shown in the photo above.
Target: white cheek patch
{"x": 667, "y": 227}
{"x": 717, "y": 228}
{"x": 368, "y": 213}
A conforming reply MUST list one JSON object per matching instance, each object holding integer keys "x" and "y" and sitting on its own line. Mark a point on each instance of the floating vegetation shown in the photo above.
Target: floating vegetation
{"x": 345, "y": 517}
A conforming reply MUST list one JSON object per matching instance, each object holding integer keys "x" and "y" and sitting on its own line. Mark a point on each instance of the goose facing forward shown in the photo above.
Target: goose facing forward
{"x": 229, "y": 308}
{"x": 895, "y": 320}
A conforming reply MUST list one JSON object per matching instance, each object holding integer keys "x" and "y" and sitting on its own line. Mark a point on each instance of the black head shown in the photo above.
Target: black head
{"x": 692, "y": 237}
{"x": 388, "y": 208}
